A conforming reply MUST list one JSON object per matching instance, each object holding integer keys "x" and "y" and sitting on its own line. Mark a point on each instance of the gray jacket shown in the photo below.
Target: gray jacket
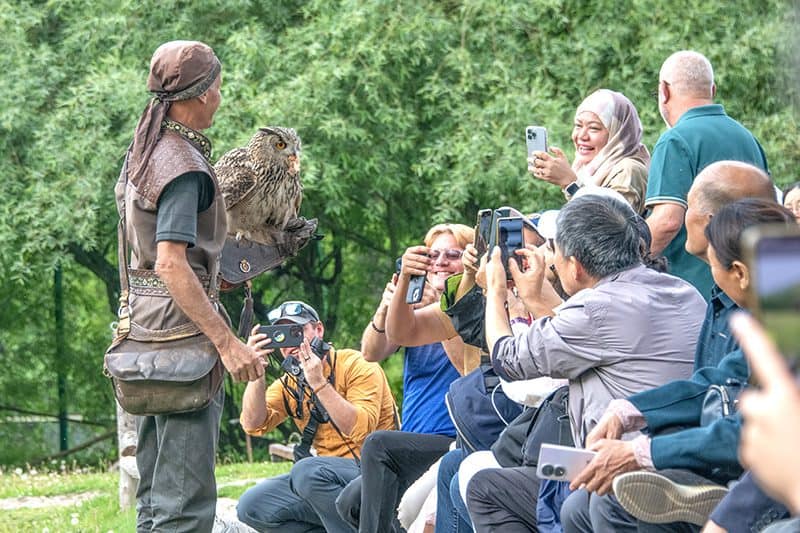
{"x": 633, "y": 331}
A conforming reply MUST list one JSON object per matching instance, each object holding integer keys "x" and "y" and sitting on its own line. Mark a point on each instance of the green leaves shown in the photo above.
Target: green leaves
{"x": 411, "y": 113}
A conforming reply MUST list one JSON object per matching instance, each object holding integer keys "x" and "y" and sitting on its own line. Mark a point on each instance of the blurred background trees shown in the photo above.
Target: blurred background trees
{"x": 411, "y": 113}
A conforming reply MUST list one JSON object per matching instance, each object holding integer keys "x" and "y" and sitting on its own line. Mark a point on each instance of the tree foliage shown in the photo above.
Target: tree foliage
{"x": 411, "y": 113}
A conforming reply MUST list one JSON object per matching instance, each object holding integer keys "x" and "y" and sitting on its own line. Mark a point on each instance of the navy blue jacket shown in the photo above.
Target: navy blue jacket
{"x": 746, "y": 508}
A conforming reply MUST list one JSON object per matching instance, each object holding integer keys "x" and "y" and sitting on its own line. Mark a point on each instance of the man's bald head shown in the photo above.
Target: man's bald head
{"x": 719, "y": 184}
{"x": 689, "y": 74}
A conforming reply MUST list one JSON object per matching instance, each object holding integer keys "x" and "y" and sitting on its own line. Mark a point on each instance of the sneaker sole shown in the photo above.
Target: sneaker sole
{"x": 657, "y": 500}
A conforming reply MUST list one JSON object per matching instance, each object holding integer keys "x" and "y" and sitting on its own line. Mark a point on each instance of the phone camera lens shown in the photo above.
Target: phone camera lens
{"x": 280, "y": 337}
{"x": 547, "y": 470}
{"x": 559, "y": 471}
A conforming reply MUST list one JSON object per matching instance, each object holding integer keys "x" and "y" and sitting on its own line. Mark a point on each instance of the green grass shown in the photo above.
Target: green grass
{"x": 100, "y": 514}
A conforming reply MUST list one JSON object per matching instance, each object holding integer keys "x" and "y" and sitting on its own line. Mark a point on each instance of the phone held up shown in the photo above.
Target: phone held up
{"x": 483, "y": 230}
{"x": 772, "y": 253}
{"x": 536, "y": 139}
{"x": 283, "y": 335}
{"x": 416, "y": 287}
{"x": 510, "y": 238}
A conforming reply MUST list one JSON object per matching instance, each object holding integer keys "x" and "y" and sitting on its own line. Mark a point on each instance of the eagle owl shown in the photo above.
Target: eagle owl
{"x": 261, "y": 185}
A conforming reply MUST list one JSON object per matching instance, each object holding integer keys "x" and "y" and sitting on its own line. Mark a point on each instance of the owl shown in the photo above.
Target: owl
{"x": 261, "y": 185}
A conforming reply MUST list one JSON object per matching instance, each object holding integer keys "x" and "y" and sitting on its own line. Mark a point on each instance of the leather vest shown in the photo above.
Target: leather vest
{"x": 154, "y": 315}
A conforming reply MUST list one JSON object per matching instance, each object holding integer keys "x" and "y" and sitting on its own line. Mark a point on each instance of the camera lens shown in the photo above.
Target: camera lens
{"x": 560, "y": 471}
{"x": 280, "y": 337}
{"x": 547, "y": 470}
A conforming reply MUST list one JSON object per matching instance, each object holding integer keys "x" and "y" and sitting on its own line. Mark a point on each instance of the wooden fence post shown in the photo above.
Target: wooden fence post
{"x": 128, "y": 473}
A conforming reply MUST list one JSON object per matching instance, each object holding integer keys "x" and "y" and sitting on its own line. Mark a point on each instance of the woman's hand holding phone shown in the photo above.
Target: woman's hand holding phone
{"x": 554, "y": 169}
{"x": 416, "y": 261}
{"x": 469, "y": 258}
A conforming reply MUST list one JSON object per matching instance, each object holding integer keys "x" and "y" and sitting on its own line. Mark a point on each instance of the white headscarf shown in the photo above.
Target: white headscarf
{"x": 619, "y": 116}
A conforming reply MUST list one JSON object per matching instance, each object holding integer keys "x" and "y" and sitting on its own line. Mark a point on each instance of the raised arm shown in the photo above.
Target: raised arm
{"x": 375, "y": 345}
{"x": 406, "y": 326}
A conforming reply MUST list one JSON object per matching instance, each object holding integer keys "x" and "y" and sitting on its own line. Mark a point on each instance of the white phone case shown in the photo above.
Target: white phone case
{"x": 562, "y": 463}
{"x": 536, "y": 139}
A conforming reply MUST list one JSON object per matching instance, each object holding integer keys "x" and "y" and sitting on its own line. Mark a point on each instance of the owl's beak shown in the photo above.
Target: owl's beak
{"x": 294, "y": 164}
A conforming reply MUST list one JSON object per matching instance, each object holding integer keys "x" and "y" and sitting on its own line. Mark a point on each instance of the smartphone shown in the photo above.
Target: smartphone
{"x": 398, "y": 265}
{"x": 416, "y": 287}
{"x": 510, "y": 238}
{"x": 536, "y": 139}
{"x": 562, "y": 463}
{"x": 482, "y": 232}
{"x": 283, "y": 335}
{"x": 772, "y": 253}
{"x": 498, "y": 213}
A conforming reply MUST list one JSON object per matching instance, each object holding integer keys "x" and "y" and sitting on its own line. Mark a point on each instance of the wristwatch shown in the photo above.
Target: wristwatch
{"x": 572, "y": 188}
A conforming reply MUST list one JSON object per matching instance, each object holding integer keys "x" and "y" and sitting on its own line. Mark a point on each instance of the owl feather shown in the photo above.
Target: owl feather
{"x": 261, "y": 184}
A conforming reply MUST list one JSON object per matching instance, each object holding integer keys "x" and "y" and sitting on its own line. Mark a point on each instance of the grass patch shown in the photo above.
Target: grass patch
{"x": 100, "y": 514}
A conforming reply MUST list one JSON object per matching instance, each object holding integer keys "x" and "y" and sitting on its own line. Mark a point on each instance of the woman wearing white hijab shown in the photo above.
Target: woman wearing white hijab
{"x": 607, "y": 135}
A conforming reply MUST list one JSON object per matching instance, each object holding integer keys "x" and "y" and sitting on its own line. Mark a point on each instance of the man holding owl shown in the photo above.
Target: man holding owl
{"x": 175, "y": 226}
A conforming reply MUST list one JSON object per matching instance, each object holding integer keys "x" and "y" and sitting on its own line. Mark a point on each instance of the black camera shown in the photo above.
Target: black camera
{"x": 291, "y": 365}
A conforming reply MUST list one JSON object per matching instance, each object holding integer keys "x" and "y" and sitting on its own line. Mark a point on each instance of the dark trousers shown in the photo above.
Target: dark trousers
{"x": 175, "y": 455}
{"x": 301, "y": 501}
{"x": 584, "y": 513}
{"x": 390, "y": 462}
{"x": 504, "y": 499}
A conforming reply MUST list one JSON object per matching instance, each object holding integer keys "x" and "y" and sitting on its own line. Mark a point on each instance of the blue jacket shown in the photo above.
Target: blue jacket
{"x": 673, "y": 411}
{"x": 746, "y": 508}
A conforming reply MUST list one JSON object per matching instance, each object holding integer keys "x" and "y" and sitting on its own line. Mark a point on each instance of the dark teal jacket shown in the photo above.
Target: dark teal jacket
{"x": 673, "y": 411}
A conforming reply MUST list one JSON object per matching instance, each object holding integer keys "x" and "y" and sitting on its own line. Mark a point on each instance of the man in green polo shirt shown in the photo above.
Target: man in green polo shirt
{"x": 699, "y": 134}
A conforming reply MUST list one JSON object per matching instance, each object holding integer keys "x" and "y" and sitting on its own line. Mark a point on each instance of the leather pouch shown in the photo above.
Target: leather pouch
{"x": 165, "y": 377}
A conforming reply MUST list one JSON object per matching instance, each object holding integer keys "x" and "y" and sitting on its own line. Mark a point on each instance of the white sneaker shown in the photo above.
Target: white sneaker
{"x": 655, "y": 498}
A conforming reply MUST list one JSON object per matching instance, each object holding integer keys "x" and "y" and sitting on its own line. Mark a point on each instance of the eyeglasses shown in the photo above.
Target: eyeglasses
{"x": 451, "y": 254}
{"x": 292, "y": 309}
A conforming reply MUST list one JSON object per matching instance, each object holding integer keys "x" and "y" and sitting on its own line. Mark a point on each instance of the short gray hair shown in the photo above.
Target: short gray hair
{"x": 689, "y": 73}
{"x": 600, "y": 232}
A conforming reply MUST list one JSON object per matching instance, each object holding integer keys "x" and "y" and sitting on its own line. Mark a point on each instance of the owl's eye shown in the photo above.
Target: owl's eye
{"x": 280, "y": 145}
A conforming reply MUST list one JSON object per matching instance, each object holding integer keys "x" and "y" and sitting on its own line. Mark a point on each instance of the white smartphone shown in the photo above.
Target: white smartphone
{"x": 536, "y": 139}
{"x": 562, "y": 463}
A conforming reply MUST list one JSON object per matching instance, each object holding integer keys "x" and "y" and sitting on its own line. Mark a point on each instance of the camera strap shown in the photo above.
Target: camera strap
{"x": 303, "y": 449}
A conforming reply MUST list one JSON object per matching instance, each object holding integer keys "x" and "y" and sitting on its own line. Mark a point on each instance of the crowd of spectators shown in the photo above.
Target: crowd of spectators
{"x": 631, "y": 300}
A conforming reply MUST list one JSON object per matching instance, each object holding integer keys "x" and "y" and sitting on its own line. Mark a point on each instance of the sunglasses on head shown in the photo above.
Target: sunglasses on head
{"x": 451, "y": 254}
{"x": 291, "y": 309}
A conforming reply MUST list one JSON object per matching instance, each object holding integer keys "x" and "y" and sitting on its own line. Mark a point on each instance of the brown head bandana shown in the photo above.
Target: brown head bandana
{"x": 179, "y": 70}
